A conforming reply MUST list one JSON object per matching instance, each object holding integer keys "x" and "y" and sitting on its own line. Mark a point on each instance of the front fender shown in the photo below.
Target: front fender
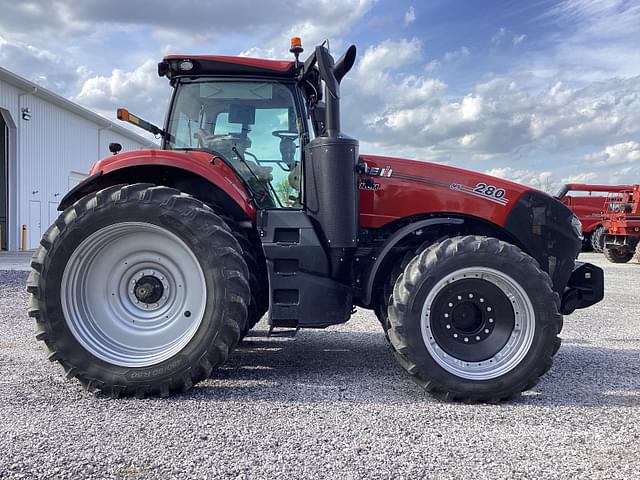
{"x": 382, "y": 253}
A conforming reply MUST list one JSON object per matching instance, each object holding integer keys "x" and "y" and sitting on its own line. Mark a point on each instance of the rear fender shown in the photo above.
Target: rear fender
{"x": 196, "y": 173}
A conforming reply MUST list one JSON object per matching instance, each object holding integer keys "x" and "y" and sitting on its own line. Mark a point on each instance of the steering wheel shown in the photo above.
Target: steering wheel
{"x": 287, "y": 147}
{"x": 285, "y": 134}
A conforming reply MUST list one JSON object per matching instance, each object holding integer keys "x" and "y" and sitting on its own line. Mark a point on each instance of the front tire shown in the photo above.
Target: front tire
{"x": 619, "y": 255}
{"x": 139, "y": 290}
{"x": 474, "y": 319}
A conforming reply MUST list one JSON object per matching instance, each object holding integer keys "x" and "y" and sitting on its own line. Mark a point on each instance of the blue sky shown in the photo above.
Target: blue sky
{"x": 539, "y": 91}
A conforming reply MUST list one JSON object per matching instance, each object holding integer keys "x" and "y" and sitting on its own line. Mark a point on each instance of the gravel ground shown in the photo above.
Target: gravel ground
{"x": 331, "y": 404}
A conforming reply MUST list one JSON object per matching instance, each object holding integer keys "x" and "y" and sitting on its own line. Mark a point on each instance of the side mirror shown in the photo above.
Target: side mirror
{"x": 125, "y": 116}
{"x": 318, "y": 117}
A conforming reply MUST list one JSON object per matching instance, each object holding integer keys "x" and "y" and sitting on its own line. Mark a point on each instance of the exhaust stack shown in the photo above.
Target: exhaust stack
{"x": 331, "y": 191}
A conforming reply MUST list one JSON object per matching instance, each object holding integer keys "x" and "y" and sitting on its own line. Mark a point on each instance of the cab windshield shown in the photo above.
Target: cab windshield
{"x": 252, "y": 125}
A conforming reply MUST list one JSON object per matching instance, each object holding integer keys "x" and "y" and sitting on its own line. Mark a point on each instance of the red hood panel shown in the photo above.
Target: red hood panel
{"x": 397, "y": 188}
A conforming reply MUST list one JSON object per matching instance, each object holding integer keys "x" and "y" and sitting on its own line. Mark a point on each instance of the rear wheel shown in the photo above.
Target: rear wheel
{"x": 619, "y": 254}
{"x": 597, "y": 239}
{"x": 139, "y": 290}
{"x": 474, "y": 319}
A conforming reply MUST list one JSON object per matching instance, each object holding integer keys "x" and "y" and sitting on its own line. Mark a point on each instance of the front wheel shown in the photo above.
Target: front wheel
{"x": 619, "y": 254}
{"x": 139, "y": 290}
{"x": 474, "y": 319}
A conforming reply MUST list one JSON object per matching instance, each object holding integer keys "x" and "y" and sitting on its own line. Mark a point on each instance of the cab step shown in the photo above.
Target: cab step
{"x": 282, "y": 332}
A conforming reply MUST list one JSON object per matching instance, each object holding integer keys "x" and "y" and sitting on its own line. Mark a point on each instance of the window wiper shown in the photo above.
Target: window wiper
{"x": 241, "y": 157}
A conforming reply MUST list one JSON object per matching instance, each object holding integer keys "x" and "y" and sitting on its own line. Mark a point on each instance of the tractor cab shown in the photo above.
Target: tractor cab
{"x": 256, "y": 126}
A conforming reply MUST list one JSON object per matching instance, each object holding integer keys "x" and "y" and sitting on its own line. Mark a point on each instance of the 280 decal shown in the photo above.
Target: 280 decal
{"x": 489, "y": 190}
{"x": 483, "y": 190}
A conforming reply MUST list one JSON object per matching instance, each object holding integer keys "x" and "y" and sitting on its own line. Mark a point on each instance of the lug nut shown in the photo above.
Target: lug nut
{"x": 488, "y": 309}
{"x": 471, "y": 295}
{"x": 486, "y": 330}
{"x": 448, "y": 326}
{"x": 481, "y": 300}
{"x": 455, "y": 335}
{"x": 450, "y": 304}
{"x": 491, "y": 320}
{"x": 446, "y": 315}
{"x": 466, "y": 339}
{"x": 477, "y": 338}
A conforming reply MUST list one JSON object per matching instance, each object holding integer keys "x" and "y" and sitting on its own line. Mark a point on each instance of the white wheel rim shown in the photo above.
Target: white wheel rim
{"x": 516, "y": 347}
{"x": 105, "y": 280}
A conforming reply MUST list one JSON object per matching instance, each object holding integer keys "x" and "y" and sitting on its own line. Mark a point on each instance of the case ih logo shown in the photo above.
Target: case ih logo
{"x": 379, "y": 172}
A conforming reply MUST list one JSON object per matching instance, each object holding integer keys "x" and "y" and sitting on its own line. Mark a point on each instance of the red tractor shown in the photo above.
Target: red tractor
{"x": 622, "y": 221}
{"x": 588, "y": 209}
{"x": 162, "y": 260}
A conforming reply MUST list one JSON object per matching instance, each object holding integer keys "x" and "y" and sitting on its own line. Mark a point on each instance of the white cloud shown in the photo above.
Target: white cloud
{"x": 541, "y": 180}
{"x": 40, "y": 65}
{"x": 580, "y": 178}
{"x": 518, "y": 39}
{"x": 505, "y": 116}
{"x": 432, "y": 65}
{"x": 618, "y": 154}
{"x": 140, "y": 90}
{"x": 409, "y": 16}
{"x": 389, "y": 54}
{"x": 324, "y": 19}
{"x": 456, "y": 54}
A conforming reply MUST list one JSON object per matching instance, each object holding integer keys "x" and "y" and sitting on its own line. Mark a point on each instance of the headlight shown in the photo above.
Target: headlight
{"x": 577, "y": 227}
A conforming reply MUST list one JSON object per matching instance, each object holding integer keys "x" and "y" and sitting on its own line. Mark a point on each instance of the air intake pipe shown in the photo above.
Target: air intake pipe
{"x": 331, "y": 193}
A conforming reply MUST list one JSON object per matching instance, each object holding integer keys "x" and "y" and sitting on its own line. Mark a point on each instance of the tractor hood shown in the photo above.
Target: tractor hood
{"x": 392, "y": 188}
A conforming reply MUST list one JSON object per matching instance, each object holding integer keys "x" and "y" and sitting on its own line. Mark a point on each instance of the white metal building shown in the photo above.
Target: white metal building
{"x": 47, "y": 145}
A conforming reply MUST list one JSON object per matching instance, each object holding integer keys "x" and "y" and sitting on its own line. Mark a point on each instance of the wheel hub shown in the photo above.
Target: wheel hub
{"x": 148, "y": 289}
{"x": 472, "y": 319}
{"x": 467, "y": 318}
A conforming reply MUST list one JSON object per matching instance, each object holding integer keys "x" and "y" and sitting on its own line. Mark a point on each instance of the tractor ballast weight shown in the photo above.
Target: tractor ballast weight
{"x": 163, "y": 260}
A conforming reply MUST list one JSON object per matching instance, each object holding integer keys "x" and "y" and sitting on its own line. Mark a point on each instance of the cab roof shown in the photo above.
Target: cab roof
{"x": 173, "y": 66}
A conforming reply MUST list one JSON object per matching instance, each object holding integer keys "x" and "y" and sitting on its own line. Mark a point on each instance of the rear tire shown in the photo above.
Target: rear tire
{"x": 258, "y": 277}
{"x": 597, "y": 239}
{"x": 474, "y": 319}
{"x": 139, "y": 290}
{"x": 619, "y": 255}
